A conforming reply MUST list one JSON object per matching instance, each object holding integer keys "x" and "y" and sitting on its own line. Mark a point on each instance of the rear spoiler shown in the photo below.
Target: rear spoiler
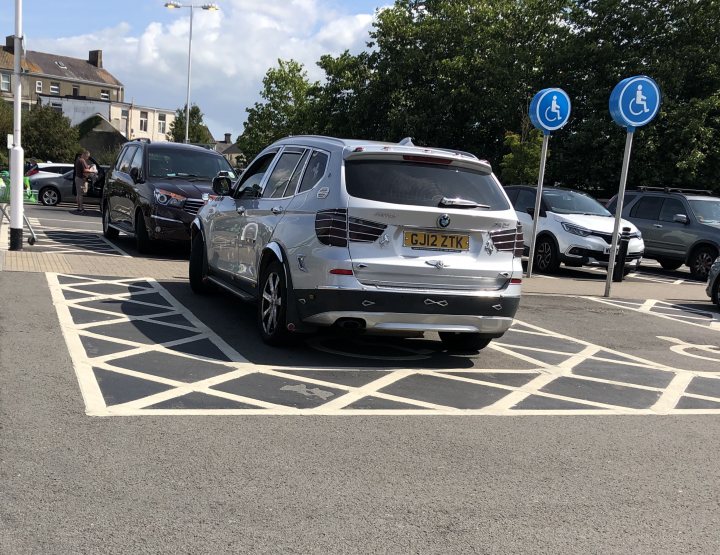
{"x": 414, "y": 154}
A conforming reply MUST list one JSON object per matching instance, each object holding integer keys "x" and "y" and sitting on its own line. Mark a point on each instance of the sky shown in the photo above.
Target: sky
{"x": 145, "y": 45}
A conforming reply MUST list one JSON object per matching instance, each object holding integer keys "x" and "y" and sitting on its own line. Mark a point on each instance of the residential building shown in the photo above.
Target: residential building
{"x": 58, "y": 76}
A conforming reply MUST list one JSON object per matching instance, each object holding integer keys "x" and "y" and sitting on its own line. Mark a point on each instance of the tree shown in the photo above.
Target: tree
{"x": 522, "y": 164}
{"x": 6, "y": 128}
{"x": 283, "y": 112}
{"x": 197, "y": 132}
{"x": 48, "y": 135}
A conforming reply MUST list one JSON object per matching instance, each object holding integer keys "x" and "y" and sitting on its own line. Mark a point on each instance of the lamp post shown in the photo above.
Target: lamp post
{"x": 17, "y": 155}
{"x": 209, "y": 7}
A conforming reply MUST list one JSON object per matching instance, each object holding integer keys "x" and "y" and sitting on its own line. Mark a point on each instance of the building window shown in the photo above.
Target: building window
{"x": 161, "y": 123}
{"x": 54, "y": 88}
{"x": 104, "y": 94}
{"x": 124, "y": 114}
{"x": 143, "y": 121}
{"x": 76, "y": 91}
{"x": 57, "y": 107}
{"x": 38, "y": 86}
{"x": 4, "y": 82}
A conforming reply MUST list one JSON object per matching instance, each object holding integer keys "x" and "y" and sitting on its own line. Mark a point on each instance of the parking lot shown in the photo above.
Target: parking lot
{"x": 134, "y": 405}
{"x": 143, "y": 346}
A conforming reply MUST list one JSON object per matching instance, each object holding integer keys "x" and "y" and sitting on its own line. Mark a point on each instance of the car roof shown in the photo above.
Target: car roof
{"x": 169, "y": 145}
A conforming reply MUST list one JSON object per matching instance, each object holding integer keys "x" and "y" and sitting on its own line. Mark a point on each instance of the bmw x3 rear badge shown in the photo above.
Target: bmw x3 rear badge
{"x": 443, "y": 221}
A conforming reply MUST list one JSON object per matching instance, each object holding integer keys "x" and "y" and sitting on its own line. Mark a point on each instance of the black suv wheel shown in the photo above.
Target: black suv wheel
{"x": 700, "y": 262}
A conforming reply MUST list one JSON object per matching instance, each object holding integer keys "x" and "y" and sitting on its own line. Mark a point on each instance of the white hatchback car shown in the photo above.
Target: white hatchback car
{"x": 573, "y": 229}
{"x": 364, "y": 236}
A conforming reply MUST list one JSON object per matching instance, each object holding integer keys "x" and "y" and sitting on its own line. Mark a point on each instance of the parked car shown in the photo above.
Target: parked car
{"x": 680, "y": 226}
{"x": 574, "y": 229}
{"x": 713, "y": 283}
{"x": 47, "y": 169}
{"x": 154, "y": 190}
{"x": 363, "y": 235}
{"x": 54, "y": 189}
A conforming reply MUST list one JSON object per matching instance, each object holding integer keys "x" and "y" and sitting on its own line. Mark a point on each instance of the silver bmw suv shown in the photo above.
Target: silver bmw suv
{"x": 364, "y": 236}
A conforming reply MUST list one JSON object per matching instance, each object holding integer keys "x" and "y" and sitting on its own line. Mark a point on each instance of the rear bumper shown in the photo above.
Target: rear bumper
{"x": 402, "y": 311}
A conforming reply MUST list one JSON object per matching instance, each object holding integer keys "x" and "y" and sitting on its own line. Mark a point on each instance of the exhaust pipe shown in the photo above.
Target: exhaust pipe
{"x": 351, "y": 323}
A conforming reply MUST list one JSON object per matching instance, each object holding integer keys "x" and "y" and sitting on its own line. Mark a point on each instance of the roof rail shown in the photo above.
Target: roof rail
{"x": 676, "y": 190}
{"x": 336, "y": 139}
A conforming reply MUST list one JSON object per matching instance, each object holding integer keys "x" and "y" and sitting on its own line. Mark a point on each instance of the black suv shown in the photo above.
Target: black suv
{"x": 679, "y": 226}
{"x": 154, "y": 190}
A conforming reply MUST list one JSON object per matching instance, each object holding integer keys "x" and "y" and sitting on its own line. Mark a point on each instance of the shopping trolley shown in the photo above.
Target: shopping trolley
{"x": 29, "y": 197}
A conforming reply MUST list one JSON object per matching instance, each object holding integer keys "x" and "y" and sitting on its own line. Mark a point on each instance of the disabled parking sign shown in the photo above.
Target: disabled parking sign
{"x": 634, "y": 102}
{"x": 550, "y": 110}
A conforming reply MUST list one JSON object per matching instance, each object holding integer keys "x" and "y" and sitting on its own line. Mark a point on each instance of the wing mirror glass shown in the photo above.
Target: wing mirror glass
{"x": 222, "y": 184}
{"x": 680, "y": 218}
{"x": 135, "y": 175}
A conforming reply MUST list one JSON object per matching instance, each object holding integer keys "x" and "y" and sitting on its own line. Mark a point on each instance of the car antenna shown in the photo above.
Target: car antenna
{"x": 407, "y": 141}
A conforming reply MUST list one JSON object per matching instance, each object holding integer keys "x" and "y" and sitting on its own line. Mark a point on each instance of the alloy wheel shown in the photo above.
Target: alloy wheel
{"x": 271, "y": 303}
{"x": 49, "y": 197}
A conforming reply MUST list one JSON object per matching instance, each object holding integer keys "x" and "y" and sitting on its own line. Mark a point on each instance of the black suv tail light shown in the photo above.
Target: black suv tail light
{"x": 511, "y": 240}
{"x": 334, "y": 228}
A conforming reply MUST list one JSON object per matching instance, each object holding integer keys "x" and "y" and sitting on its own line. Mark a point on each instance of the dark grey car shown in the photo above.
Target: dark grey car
{"x": 53, "y": 189}
{"x": 679, "y": 226}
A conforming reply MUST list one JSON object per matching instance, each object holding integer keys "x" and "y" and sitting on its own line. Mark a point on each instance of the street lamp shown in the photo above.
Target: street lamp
{"x": 193, "y": 7}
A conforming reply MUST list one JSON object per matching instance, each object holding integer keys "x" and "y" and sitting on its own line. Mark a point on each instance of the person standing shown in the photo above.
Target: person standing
{"x": 82, "y": 172}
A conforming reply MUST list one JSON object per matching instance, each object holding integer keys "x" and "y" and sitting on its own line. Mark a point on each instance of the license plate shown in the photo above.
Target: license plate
{"x": 436, "y": 241}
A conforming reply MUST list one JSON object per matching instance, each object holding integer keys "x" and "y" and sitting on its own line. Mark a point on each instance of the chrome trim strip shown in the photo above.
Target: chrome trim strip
{"x": 165, "y": 219}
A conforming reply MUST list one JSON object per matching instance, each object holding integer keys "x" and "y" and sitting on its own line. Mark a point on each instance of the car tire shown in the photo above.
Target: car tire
{"x": 108, "y": 232}
{"x": 272, "y": 305}
{"x": 669, "y": 263}
{"x": 700, "y": 262}
{"x": 197, "y": 269}
{"x": 142, "y": 239}
{"x": 547, "y": 260}
{"x": 716, "y": 293}
{"x": 464, "y": 341}
{"x": 49, "y": 196}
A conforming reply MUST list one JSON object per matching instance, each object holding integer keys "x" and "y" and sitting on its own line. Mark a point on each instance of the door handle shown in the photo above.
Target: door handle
{"x": 657, "y": 225}
{"x": 241, "y": 210}
{"x": 277, "y": 209}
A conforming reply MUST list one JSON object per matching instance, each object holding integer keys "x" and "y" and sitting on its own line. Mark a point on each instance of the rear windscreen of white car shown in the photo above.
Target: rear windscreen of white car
{"x": 421, "y": 184}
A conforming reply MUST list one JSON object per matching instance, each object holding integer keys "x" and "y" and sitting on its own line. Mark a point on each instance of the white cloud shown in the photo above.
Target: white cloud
{"x": 232, "y": 50}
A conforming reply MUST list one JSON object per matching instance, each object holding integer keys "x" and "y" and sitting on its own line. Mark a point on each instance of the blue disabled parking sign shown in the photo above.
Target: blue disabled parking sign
{"x": 550, "y": 110}
{"x": 634, "y": 102}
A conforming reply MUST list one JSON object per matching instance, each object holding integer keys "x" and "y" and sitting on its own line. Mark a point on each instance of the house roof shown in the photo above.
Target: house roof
{"x": 74, "y": 68}
{"x": 224, "y": 148}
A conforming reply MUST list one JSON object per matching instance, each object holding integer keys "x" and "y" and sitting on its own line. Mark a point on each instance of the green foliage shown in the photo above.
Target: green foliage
{"x": 6, "y": 128}
{"x": 283, "y": 112}
{"x": 461, "y": 73}
{"x": 197, "y": 131}
{"x": 522, "y": 164}
{"x": 48, "y": 135}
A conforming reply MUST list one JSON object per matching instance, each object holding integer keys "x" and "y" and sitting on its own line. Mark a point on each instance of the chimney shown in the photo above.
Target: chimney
{"x": 228, "y": 140}
{"x": 10, "y": 44}
{"x": 95, "y": 58}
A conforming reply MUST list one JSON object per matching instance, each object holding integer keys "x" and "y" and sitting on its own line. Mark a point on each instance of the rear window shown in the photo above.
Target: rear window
{"x": 420, "y": 184}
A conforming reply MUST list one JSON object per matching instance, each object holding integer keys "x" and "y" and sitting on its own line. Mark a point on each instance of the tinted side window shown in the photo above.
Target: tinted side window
{"x": 249, "y": 184}
{"x": 314, "y": 171}
{"x": 525, "y": 200}
{"x": 127, "y": 157}
{"x": 670, "y": 207}
{"x": 137, "y": 159}
{"x": 647, "y": 208}
{"x": 613, "y": 203}
{"x": 120, "y": 157}
{"x": 297, "y": 174}
{"x": 280, "y": 176}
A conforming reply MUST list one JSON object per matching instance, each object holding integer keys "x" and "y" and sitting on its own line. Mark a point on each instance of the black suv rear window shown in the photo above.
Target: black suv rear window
{"x": 420, "y": 184}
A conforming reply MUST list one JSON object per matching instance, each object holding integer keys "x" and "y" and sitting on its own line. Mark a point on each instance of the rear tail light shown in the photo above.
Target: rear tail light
{"x": 32, "y": 172}
{"x": 334, "y": 228}
{"x": 509, "y": 240}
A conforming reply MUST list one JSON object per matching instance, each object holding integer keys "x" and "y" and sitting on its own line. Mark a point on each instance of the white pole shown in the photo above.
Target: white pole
{"x": 187, "y": 97}
{"x": 17, "y": 156}
{"x": 538, "y": 199}
{"x": 618, "y": 212}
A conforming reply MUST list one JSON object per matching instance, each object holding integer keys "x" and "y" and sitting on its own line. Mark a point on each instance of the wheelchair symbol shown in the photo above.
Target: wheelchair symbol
{"x": 553, "y": 109}
{"x": 638, "y": 105}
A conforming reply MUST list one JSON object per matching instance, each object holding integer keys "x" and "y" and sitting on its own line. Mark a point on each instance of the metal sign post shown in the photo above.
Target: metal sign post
{"x": 17, "y": 156}
{"x": 634, "y": 102}
{"x": 549, "y": 111}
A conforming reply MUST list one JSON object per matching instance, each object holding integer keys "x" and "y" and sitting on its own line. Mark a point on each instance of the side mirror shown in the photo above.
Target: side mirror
{"x": 135, "y": 174}
{"x": 221, "y": 185}
{"x": 681, "y": 219}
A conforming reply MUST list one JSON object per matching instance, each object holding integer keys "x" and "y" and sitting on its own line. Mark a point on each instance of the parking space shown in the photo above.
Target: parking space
{"x": 140, "y": 347}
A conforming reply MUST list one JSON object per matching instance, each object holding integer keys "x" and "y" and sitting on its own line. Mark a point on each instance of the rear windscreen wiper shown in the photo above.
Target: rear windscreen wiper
{"x": 460, "y": 203}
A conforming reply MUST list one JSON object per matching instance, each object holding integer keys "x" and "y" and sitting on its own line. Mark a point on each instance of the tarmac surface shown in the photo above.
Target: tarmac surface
{"x": 138, "y": 417}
